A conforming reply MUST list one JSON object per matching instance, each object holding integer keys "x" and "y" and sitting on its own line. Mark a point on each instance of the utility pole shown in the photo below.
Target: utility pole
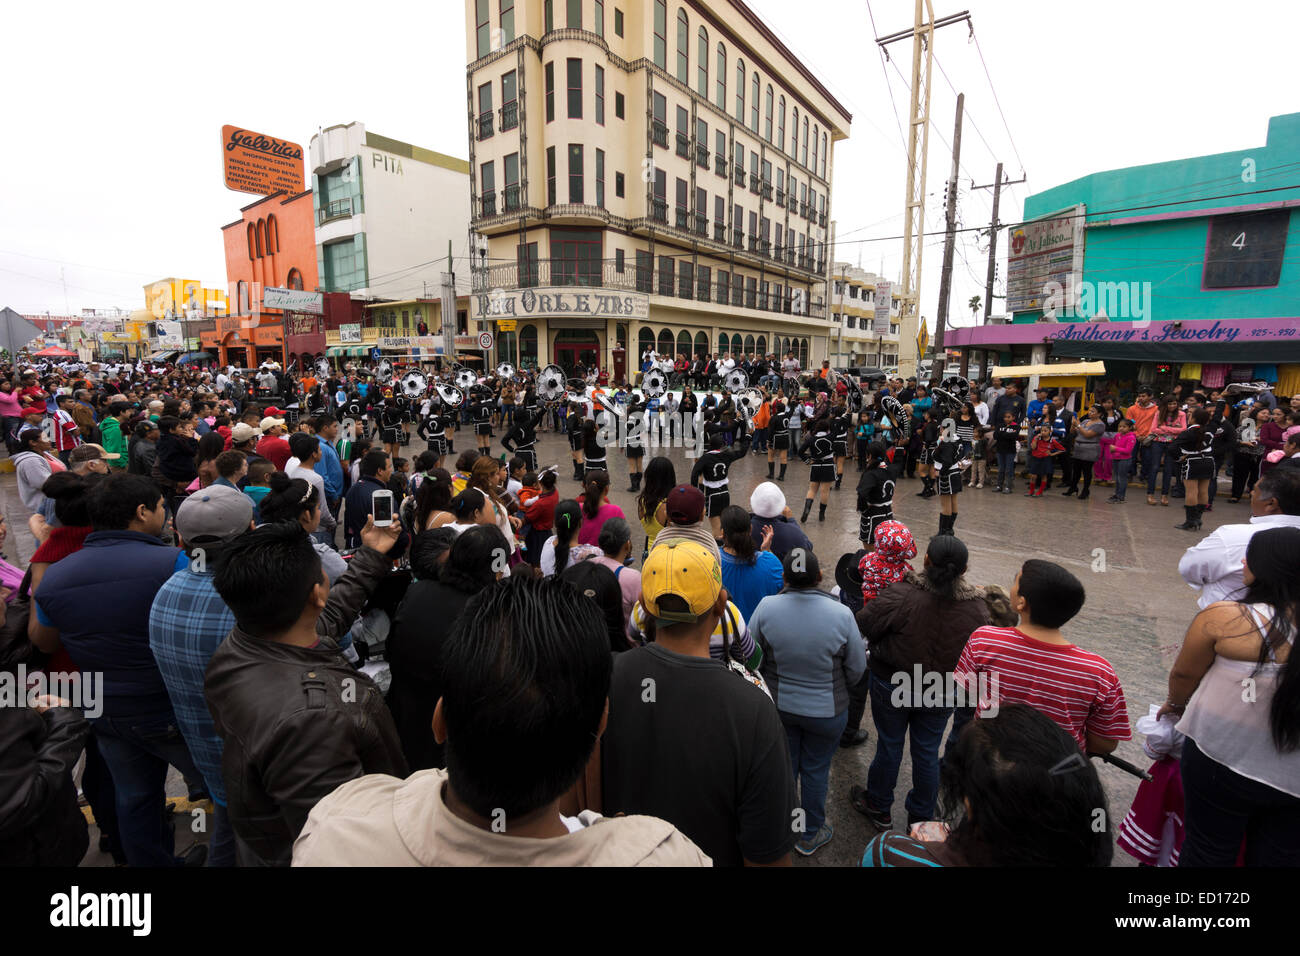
{"x": 945, "y": 278}
{"x": 918, "y": 143}
{"x": 996, "y": 186}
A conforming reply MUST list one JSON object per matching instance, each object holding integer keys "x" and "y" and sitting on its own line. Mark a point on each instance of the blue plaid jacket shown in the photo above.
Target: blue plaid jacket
{"x": 187, "y": 624}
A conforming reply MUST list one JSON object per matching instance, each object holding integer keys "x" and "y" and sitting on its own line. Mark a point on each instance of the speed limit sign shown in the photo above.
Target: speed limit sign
{"x": 485, "y": 340}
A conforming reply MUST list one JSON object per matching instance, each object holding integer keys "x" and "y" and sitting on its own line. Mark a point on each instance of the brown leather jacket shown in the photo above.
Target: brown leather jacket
{"x": 297, "y": 721}
{"x": 910, "y": 624}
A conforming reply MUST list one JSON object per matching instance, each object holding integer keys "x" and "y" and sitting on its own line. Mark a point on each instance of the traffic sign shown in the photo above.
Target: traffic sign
{"x": 506, "y": 325}
{"x": 485, "y": 340}
{"x": 922, "y": 341}
{"x": 374, "y": 354}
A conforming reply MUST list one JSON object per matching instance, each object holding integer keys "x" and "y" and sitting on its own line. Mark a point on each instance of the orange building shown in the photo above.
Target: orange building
{"x": 272, "y": 244}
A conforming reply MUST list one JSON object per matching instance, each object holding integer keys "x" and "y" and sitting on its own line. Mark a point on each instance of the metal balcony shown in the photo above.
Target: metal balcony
{"x": 509, "y": 115}
{"x": 720, "y": 164}
{"x": 701, "y": 155}
{"x": 485, "y": 125}
{"x": 659, "y": 133}
{"x": 683, "y": 145}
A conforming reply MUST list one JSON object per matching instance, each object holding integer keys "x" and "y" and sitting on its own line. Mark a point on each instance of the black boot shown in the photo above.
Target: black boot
{"x": 821, "y": 512}
{"x": 782, "y": 475}
{"x": 952, "y": 523}
{"x": 838, "y": 479}
{"x": 577, "y": 471}
{"x": 771, "y": 469}
{"x": 807, "y": 509}
{"x": 1190, "y": 524}
{"x": 1200, "y": 510}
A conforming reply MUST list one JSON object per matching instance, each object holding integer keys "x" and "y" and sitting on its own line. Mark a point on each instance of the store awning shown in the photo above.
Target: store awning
{"x": 1052, "y": 368}
{"x": 164, "y": 356}
{"x": 1255, "y": 349}
{"x": 196, "y": 357}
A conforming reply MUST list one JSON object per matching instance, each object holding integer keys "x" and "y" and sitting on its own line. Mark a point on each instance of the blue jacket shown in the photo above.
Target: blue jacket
{"x": 812, "y": 651}
{"x": 330, "y": 469}
{"x": 786, "y": 534}
{"x": 99, "y": 599}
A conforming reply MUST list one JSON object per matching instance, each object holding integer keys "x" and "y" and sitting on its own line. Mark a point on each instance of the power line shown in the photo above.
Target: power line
{"x": 989, "y": 77}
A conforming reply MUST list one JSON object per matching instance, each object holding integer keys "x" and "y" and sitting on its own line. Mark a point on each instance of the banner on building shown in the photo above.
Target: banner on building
{"x": 405, "y": 343}
{"x": 260, "y": 164}
{"x": 1047, "y": 250}
{"x": 884, "y": 299}
{"x": 350, "y": 334}
{"x": 562, "y": 303}
{"x": 302, "y": 324}
{"x": 171, "y": 335}
{"x": 293, "y": 300}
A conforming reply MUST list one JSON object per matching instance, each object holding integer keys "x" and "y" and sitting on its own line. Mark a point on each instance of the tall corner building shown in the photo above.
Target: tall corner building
{"x": 646, "y": 173}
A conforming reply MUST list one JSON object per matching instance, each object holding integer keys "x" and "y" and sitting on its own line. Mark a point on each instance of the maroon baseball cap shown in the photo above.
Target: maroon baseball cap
{"x": 685, "y": 504}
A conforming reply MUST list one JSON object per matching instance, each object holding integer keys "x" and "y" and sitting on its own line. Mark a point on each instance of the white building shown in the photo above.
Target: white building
{"x": 853, "y": 306}
{"x": 384, "y": 213}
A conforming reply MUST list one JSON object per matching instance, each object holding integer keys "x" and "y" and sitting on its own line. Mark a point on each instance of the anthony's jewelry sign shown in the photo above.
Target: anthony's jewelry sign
{"x": 561, "y": 302}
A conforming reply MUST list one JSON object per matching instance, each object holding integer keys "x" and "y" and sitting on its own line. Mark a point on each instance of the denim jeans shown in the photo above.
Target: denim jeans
{"x": 1152, "y": 456}
{"x": 760, "y": 439}
{"x": 138, "y": 749}
{"x": 1223, "y": 808}
{"x": 1006, "y": 469}
{"x": 1120, "y": 469}
{"x": 812, "y": 745}
{"x": 221, "y": 842}
{"x": 925, "y": 726}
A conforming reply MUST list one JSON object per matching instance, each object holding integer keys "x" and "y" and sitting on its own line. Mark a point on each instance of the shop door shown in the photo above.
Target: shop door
{"x": 569, "y": 354}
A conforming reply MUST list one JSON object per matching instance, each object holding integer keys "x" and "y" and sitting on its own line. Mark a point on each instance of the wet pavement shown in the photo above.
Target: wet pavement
{"x": 1137, "y": 611}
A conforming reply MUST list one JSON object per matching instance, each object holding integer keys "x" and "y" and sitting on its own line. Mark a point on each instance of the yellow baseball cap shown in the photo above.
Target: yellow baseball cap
{"x": 683, "y": 569}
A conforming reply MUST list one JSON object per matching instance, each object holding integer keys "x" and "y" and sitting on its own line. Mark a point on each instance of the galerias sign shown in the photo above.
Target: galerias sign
{"x": 260, "y": 164}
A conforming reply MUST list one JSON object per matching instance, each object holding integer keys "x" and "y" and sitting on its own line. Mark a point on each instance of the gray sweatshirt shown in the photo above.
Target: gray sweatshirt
{"x": 812, "y": 651}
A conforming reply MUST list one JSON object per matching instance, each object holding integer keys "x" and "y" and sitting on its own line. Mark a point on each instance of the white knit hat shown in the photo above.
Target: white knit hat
{"x": 767, "y": 501}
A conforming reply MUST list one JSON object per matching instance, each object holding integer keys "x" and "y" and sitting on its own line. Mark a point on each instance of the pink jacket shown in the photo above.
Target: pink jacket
{"x": 1121, "y": 446}
{"x": 1171, "y": 430}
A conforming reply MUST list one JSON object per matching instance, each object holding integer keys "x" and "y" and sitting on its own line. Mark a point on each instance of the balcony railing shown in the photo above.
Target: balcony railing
{"x": 509, "y": 115}
{"x": 767, "y": 189}
{"x": 682, "y": 217}
{"x": 485, "y": 125}
{"x": 659, "y": 133}
{"x": 488, "y": 204}
{"x": 720, "y": 164}
{"x": 753, "y": 243}
{"x": 659, "y": 210}
{"x": 702, "y": 155}
{"x": 597, "y": 273}
{"x": 683, "y": 145}
{"x": 740, "y": 175}
{"x": 338, "y": 209}
{"x": 803, "y": 209}
{"x": 753, "y": 182}
{"x": 780, "y": 197}
{"x": 511, "y": 197}
{"x": 821, "y": 220}
{"x": 719, "y": 232}
{"x": 738, "y": 238}
{"x": 700, "y": 224}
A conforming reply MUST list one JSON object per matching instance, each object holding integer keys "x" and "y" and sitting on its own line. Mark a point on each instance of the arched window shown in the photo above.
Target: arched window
{"x": 665, "y": 342}
{"x": 701, "y": 343}
{"x": 780, "y": 123}
{"x": 261, "y": 238}
{"x": 722, "y": 78}
{"x": 740, "y": 90}
{"x": 272, "y": 235}
{"x": 749, "y": 344}
{"x": 760, "y": 345}
{"x": 767, "y": 115}
{"x": 825, "y": 154}
{"x": 785, "y": 345}
{"x": 794, "y": 135}
{"x": 816, "y": 137}
{"x": 735, "y": 348}
{"x": 528, "y": 345}
{"x": 295, "y": 279}
{"x": 755, "y": 90}
{"x": 645, "y": 339}
{"x": 702, "y": 66}
{"x": 242, "y": 305}
{"x": 252, "y": 242}
{"x": 684, "y": 342}
{"x": 804, "y": 151}
{"x": 683, "y": 47}
{"x": 723, "y": 343}
{"x": 803, "y": 353}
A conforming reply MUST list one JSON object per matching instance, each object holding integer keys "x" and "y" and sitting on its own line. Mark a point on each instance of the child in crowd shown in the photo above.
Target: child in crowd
{"x": 1042, "y": 449}
{"x": 1034, "y": 664}
{"x": 1120, "y": 450}
{"x": 889, "y": 562}
{"x": 259, "y": 484}
{"x": 979, "y": 456}
{"x": 865, "y": 434}
{"x": 1006, "y": 438}
{"x": 400, "y": 478}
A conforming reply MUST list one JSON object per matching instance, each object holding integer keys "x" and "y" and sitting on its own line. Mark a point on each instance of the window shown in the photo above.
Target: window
{"x": 575, "y": 257}
{"x": 618, "y": 22}
{"x": 644, "y": 266}
{"x": 507, "y": 21}
{"x": 722, "y": 78}
{"x": 724, "y": 286}
{"x": 600, "y": 95}
{"x": 272, "y": 235}
{"x": 825, "y": 153}
{"x": 509, "y": 101}
{"x": 599, "y": 27}
{"x": 705, "y": 274}
{"x": 550, "y": 175}
{"x": 252, "y": 241}
{"x": 737, "y": 225}
{"x": 740, "y": 91}
{"x": 600, "y": 178}
{"x": 485, "y": 111}
{"x": 753, "y": 104}
{"x": 780, "y": 123}
{"x": 804, "y": 158}
{"x": 574, "y": 18}
{"x": 683, "y": 134}
{"x": 660, "y": 208}
{"x": 548, "y": 15}
{"x": 618, "y": 105}
{"x": 575, "y": 173}
{"x": 666, "y": 275}
{"x": 702, "y": 64}
{"x": 618, "y": 185}
{"x": 683, "y": 47}
{"x": 511, "y": 195}
{"x": 618, "y": 260}
{"x": 575, "y": 89}
{"x": 686, "y": 280}
{"x": 661, "y": 34}
{"x": 488, "y": 188}
{"x": 482, "y": 27}
{"x": 794, "y": 136}
{"x": 767, "y": 115}
{"x": 682, "y": 212}
{"x": 550, "y": 91}
{"x": 345, "y": 265}
{"x": 816, "y": 136}
{"x": 719, "y": 218}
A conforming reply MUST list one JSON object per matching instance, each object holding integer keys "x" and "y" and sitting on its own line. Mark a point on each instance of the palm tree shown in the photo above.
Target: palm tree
{"x": 973, "y": 305}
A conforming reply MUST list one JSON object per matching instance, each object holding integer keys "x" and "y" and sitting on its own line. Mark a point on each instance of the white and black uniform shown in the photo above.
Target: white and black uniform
{"x": 875, "y": 501}
{"x": 840, "y": 435}
{"x": 947, "y": 453}
{"x": 481, "y": 414}
{"x": 634, "y": 444}
{"x": 593, "y": 454}
{"x": 710, "y": 473}
{"x": 1196, "y": 454}
{"x": 390, "y": 424}
{"x": 404, "y": 406}
{"x": 521, "y": 439}
{"x": 433, "y": 429}
{"x": 929, "y": 441}
{"x": 573, "y": 426}
{"x": 781, "y": 430}
{"x": 820, "y": 451}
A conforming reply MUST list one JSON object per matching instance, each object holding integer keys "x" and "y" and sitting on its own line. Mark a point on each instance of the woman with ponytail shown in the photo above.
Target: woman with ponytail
{"x": 916, "y": 627}
{"x": 297, "y": 500}
{"x": 564, "y": 548}
{"x": 596, "y": 509}
{"x": 1236, "y": 685}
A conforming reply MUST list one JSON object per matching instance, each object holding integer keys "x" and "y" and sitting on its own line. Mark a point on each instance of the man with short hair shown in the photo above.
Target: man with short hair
{"x": 95, "y": 604}
{"x": 705, "y": 750}
{"x": 306, "y": 455}
{"x": 1215, "y": 564}
{"x": 685, "y": 508}
{"x": 1010, "y": 401}
{"x": 295, "y": 718}
{"x": 112, "y": 434}
{"x": 376, "y": 469}
{"x": 88, "y": 458}
{"x": 187, "y": 623}
{"x": 511, "y": 757}
{"x": 994, "y": 392}
{"x": 273, "y": 446}
{"x": 329, "y": 467}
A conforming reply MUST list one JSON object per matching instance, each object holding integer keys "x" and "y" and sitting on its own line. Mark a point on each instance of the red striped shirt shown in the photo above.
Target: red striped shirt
{"x": 1077, "y": 689}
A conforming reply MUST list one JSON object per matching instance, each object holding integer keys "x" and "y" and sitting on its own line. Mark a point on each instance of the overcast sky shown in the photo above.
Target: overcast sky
{"x": 112, "y": 163}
